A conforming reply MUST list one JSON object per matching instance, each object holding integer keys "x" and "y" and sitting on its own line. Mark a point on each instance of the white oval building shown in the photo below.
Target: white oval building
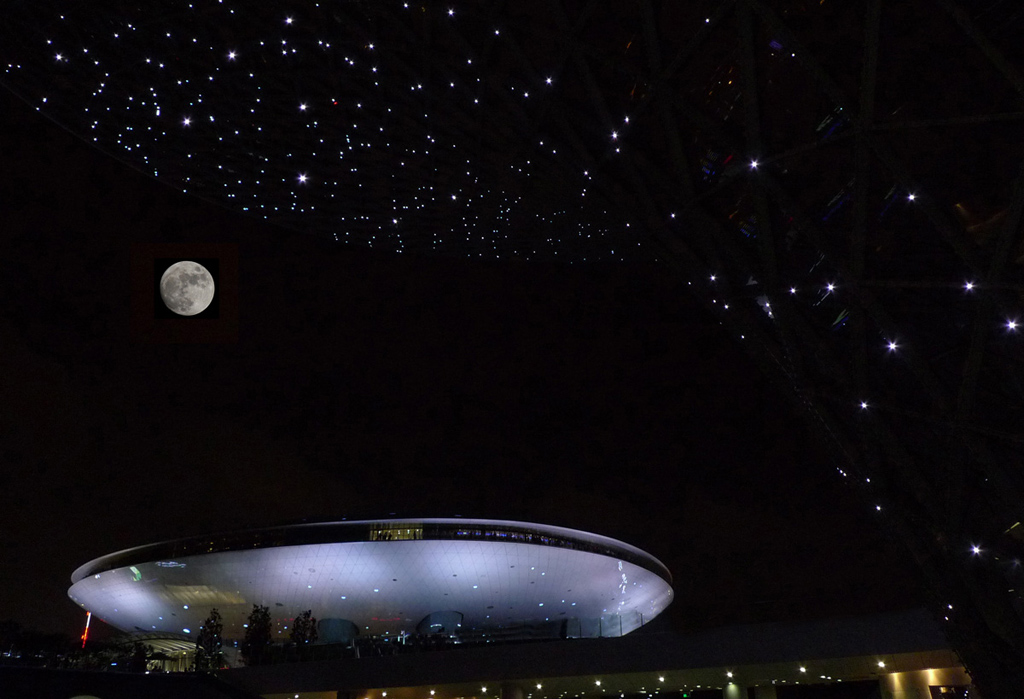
{"x": 467, "y": 578}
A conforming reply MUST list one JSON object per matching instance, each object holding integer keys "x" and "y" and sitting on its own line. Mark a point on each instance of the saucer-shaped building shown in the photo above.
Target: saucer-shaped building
{"x": 465, "y": 578}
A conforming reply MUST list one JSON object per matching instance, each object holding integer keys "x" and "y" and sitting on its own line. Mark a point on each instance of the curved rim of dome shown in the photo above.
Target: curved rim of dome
{"x": 370, "y": 530}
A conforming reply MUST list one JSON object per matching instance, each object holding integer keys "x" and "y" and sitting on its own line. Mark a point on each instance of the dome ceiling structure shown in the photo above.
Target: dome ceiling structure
{"x": 841, "y": 185}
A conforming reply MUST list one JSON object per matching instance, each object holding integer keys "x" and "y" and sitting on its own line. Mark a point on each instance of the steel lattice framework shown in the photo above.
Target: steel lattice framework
{"x": 915, "y": 380}
{"x": 841, "y": 183}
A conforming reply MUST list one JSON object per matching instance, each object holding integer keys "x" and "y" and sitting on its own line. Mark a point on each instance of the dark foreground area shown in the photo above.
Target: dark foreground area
{"x": 891, "y": 655}
{"x": 44, "y": 683}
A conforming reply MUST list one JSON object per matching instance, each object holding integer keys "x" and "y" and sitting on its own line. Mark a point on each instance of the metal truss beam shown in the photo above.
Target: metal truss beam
{"x": 869, "y": 74}
{"x": 986, "y": 306}
{"x": 1009, "y": 71}
{"x": 955, "y": 237}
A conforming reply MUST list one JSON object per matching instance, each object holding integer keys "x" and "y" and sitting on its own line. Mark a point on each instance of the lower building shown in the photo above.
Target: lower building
{"x": 487, "y": 609}
{"x": 900, "y": 655}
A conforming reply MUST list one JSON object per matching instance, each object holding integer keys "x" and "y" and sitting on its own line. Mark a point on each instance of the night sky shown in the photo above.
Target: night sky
{"x": 340, "y": 382}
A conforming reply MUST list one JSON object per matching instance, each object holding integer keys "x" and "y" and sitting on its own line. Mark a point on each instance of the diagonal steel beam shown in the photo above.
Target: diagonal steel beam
{"x": 654, "y": 220}
{"x": 949, "y": 231}
{"x": 986, "y": 308}
{"x": 928, "y": 380}
{"x": 766, "y": 244}
{"x": 993, "y": 54}
{"x": 869, "y": 74}
{"x": 931, "y": 383}
{"x": 663, "y": 73}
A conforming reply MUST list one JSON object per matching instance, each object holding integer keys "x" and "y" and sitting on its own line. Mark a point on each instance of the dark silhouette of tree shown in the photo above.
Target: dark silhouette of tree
{"x": 138, "y": 661}
{"x": 257, "y": 636}
{"x": 304, "y": 631}
{"x": 209, "y": 655}
{"x": 130, "y": 656}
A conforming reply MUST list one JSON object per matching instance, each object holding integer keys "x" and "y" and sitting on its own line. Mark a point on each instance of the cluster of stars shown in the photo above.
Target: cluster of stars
{"x": 384, "y": 149}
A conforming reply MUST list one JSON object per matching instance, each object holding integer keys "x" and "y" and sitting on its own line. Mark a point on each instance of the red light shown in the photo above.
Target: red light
{"x": 85, "y": 634}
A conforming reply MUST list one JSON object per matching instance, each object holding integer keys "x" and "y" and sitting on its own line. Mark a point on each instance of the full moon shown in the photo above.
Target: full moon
{"x": 186, "y": 288}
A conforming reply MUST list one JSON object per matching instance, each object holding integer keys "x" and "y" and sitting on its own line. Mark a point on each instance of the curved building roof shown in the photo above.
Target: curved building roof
{"x": 470, "y": 576}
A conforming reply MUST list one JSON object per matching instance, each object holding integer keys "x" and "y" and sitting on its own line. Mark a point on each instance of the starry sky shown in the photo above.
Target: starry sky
{"x": 408, "y": 127}
{"x": 346, "y": 382}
